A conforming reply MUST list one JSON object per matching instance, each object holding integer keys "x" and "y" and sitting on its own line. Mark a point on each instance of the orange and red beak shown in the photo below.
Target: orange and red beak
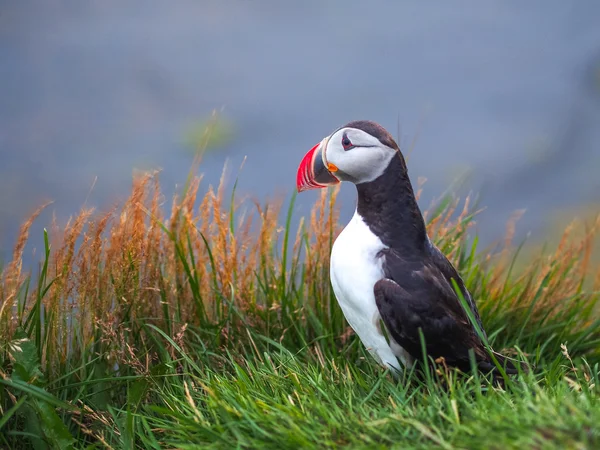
{"x": 314, "y": 172}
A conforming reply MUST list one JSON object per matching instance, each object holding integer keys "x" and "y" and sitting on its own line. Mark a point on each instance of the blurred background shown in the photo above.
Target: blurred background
{"x": 504, "y": 95}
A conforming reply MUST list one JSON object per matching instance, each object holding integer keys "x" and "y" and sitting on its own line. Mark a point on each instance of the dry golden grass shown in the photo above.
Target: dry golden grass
{"x": 132, "y": 261}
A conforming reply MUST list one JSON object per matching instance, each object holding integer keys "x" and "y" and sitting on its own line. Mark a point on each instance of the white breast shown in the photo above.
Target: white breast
{"x": 355, "y": 268}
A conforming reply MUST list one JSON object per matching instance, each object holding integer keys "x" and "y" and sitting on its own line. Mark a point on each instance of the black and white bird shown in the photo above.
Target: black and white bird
{"x": 383, "y": 265}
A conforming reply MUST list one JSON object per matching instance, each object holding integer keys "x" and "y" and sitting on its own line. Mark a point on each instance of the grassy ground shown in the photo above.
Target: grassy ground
{"x": 206, "y": 327}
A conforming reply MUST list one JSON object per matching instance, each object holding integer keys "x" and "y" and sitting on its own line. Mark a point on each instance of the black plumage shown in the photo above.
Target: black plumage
{"x": 417, "y": 291}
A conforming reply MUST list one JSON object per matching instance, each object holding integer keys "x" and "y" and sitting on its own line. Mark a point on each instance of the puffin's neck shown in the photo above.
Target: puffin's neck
{"x": 389, "y": 208}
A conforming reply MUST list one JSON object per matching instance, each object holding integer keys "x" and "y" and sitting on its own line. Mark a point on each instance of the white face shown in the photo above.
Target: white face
{"x": 358, "y": 156}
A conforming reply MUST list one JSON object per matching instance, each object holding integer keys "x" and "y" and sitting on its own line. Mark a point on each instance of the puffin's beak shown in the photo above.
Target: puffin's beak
{"x": 314, "y": 172}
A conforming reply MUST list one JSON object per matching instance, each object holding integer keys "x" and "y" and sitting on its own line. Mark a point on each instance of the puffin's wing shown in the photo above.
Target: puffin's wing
{"x": 441, "y": 263}
{"x": 446, "y": 333}
{"x": 419, "y": 295}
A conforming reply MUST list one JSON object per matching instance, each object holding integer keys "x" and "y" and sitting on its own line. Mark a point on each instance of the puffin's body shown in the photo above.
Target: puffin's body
{"x": 383, "y": 265}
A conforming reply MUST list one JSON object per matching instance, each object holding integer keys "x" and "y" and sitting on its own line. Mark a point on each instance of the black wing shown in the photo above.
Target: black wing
{"x": 418, "y": 294}
{"x": 439, "y": 261}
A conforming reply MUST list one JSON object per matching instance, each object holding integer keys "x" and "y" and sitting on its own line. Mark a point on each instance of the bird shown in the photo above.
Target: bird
{"x": 384, "y": 268}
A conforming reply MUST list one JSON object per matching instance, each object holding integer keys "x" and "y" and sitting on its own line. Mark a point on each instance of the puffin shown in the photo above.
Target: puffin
{"x": 383, "y": 266}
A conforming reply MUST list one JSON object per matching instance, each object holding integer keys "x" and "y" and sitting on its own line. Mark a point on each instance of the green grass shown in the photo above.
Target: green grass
{"x": 208, "y": 327}
{"x": 285, "y": 401}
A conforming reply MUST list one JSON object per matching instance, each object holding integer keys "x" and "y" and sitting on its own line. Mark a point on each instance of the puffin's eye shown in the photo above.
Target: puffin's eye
{"x": 346, "y": 143}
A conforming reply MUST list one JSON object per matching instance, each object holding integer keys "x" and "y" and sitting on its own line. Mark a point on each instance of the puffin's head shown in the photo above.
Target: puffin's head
{"x": 358, "y": 152}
